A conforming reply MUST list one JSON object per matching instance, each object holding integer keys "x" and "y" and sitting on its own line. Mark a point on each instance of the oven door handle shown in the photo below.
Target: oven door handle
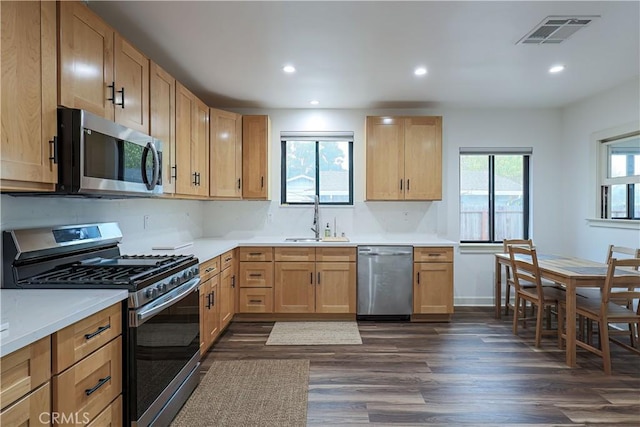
{"x": 139, "y": 317}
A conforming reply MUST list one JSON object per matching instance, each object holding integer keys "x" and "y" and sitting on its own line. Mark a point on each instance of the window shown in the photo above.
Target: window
{"x": 317, "y": 164}
{"x": 494, "y": 195}
{"x": 620, "y": 177}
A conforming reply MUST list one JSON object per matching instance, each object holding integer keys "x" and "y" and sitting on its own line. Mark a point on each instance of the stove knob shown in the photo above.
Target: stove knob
{"x": 150, "y": 293}
{"x": 164, "y": 287}
{"x": 174, "y": 281}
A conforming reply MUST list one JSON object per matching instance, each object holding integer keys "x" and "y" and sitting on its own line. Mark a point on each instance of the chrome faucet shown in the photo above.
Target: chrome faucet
{"x": 316, "y": 219}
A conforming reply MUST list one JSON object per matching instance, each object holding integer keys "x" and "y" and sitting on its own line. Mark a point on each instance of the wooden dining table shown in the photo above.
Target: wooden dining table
{"x": 569, "y": 271}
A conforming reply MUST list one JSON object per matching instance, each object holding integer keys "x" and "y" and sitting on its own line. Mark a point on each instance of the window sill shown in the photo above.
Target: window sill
{"x": 630, "y": 224}
{"x": 480, "y": 248}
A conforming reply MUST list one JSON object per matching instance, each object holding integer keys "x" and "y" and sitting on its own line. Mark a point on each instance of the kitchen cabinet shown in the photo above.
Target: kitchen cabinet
{"x": 226, "y": 154}
{"x": 404, "y": 158}
{"x": 29, "y": 96}
{"x": 256, "y": 157}
{"x": 192, "y": 144}
{"x": 433, "y": 280}
{"x": 162, "y": 123}
{"x": 315, "y": 280}
{"x": 255, "y": 280}
{"x": 228, "y": 287}
{"x": 25, "y": 384}
{"x": 87, "y": 366}
{"x": 209, "y": 303}
{"x": 100, "y": 71}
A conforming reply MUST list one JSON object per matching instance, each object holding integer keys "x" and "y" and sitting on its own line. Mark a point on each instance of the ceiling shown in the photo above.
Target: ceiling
{"x": 355, "y": 54}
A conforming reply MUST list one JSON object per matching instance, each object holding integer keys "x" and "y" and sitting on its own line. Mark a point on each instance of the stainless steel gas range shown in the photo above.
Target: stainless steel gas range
{"x": 161, "y": 354}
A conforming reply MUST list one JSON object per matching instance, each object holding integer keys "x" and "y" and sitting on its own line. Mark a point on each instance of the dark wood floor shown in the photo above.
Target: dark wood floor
{"x": 470, "y": 371}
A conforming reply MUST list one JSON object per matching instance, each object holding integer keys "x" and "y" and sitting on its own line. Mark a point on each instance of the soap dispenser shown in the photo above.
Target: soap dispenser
{"x": 327, "y": 231}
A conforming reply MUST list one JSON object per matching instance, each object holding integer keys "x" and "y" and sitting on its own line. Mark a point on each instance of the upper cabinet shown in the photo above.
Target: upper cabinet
{"x": 100, "y": 71}
{"x": 192, "y": 144}
{"x": 28, "y": 112}
{"x": 226, "y": 154}
{"x": 256, "y": 149}
{"x": 404, "y": 158}
{"x": 163, "y": 122}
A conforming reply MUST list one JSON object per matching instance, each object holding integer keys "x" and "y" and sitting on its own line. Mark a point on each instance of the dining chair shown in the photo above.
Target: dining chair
{"x": 506, "y": 244}
{"x": 526, "y": 271}
{"x": 631, "y": 330}
{"x": 605, "y": 311}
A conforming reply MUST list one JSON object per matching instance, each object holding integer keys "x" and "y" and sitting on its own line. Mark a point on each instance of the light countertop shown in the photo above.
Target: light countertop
{"x": 31, "y": 314}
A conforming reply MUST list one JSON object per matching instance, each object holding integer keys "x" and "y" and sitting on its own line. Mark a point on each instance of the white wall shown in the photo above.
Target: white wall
{"x": 580, "y": 120}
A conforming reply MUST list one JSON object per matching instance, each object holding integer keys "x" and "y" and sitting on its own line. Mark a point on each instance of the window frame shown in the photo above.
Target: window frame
{"x": 316, "y": 138}
{"x": 605, "y": 183}
{"x": 491, "y": 153}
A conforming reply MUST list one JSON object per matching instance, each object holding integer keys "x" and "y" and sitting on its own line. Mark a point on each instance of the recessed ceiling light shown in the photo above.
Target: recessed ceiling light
{"x": 314, "y": 102}
{"x": 289, "y": 69}
{"x": 556, "y": 69}
{"x": 420, "y": 71}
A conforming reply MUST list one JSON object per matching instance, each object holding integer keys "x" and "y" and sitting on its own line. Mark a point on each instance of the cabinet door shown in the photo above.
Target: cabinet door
{"x": 163, "y": 122}
{"x": 255, "y": 157}
{"x": 200, "y": 147}
{"x": 131, "y": 75}
{"x": 29, "y": 97}
{"x": 205, "y": 298}
{"x": 433, "y": 288}
{"x": 226, "y": 154}
{"x": 336, "y": 287}
{"x": 213, "y": 312}
{"x": 86, "y": 60}
{"x": 227, "y": 300}
{"x": 184, "y": 118}
{"x": 423, "y": 158}
{"x": 294, "y": 287}
{"x": 385, "y": 158}
{"x": 29, "y": 410}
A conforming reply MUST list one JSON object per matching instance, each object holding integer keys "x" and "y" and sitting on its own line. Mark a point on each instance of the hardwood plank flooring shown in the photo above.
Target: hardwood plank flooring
{"x": 471, "y": 371}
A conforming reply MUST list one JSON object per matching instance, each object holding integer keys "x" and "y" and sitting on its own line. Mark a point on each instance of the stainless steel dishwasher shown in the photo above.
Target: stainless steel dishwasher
{"x": 385, "y": 281}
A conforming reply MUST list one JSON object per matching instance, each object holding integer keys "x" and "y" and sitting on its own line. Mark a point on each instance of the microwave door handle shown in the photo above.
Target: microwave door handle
{"x": 156, "y": 166}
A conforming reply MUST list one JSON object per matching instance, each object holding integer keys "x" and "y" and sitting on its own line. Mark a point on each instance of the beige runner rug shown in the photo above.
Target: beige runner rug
{"x": 314, "y": 333}
{"x": 249, "y": 393}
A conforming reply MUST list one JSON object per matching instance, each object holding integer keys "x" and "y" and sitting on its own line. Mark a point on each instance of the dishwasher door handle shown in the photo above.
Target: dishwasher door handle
{"x": 386, "y": 254}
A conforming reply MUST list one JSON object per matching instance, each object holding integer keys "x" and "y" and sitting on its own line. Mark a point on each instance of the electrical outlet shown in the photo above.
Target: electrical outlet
{"x": 146, "y": 222}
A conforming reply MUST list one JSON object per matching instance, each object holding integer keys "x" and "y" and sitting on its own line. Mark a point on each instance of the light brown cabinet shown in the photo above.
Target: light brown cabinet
{"x": 87, "y": 366}
{"x": 162, "y": 123}
{"x": 25, "y": 386}
{"x": 433, "y": 280}
{"x": 315, "y": 280}
{"x": 226, "y": 154}
{"x": 255, "y": 280}
{"x": 228, "y": 279}
{"x": 256, "y": 156}
{"x": 192, "y": 144}
{"x": 209, "y": 303}
{"x": 404, "y": 158}
{"x": 29, "y": 96}
{"x": 99, "y": 70}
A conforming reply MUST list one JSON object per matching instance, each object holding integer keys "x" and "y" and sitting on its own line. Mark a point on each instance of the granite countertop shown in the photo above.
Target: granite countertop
{"x": 31, "y": 314}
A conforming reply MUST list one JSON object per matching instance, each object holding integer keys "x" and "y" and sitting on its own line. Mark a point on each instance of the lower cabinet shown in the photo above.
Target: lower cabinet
{"x": 305, "y": 283}
{"x": 209, "y": 303}
{"x": 433, "y": 280}
{"x": 255, "y": 280}
{"x": 228, "y": 279}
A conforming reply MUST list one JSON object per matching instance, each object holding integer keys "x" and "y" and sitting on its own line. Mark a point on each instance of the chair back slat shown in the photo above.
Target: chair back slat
{"x": 628, "y": 252}
{"x": 620, "y": 286}
{"x": 524, "y": 263}
{"x": 507, "y": 243}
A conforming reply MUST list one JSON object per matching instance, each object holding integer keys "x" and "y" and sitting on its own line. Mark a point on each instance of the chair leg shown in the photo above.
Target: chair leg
{"x": 539, "y": 318}
{"x": 604, "y": 346}
{"x": 515, "y": 314}
{"x": 560, "y": 325}
{"x": 507, "y": 298}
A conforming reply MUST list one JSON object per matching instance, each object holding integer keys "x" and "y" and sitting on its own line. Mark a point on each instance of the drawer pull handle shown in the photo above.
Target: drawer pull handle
{"x": 100, "y": 330}
{"x": 210, "y": 269}
{"x": 436, "y": 254}
{"x": 418, "y": 277}
{"x": 255, "y": 275}
{"x": 255, "y": 253}
{"x": 227, "y": 259}
{"x": 101, "y": 382}
{"x": 255, "y": 301}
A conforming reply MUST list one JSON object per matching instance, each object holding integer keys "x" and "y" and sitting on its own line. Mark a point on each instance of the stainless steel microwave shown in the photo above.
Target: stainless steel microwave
{"x": 97, "y": 157}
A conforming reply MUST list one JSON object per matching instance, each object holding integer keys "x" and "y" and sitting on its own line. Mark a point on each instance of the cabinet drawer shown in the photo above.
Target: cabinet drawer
{"x": 110, "y": 417}
{"x": 295, "y": 254}
{"x": 24, "y": 370}
{"x": 433, "y": 254}
{"x": 209, "y": 268}
{"x": 84, "y": 337}
{"x": 256, "y": 300}
{"x": 258, "y": 253}
{"x": 336, "y": 254}
{"x": 90, "y": 385}
{"x": 256, "y": 274}
{"x": 226, "y": 260}
{"x": 32, "y": 410}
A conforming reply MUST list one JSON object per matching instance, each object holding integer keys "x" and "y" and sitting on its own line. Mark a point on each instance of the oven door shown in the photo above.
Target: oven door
{"x": 163, "y": 354}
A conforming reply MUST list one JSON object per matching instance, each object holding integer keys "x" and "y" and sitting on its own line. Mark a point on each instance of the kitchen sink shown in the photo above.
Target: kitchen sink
{"x": 302, "y": 239}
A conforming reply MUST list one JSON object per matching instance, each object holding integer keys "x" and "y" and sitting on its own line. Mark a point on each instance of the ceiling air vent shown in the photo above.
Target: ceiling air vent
{"x": 556, "y": 29}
